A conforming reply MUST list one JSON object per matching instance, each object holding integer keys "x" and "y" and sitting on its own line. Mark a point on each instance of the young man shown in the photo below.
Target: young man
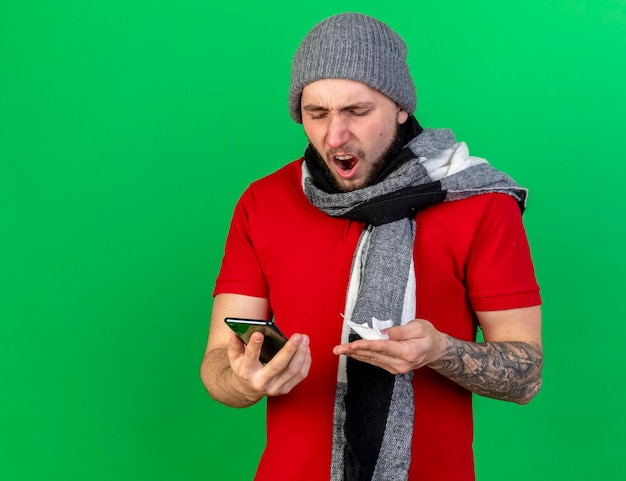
{"x": 381, "y": 220}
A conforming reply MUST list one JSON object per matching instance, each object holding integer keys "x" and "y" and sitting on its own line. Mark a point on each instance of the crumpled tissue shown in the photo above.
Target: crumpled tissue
{"x": 371, "y": 333}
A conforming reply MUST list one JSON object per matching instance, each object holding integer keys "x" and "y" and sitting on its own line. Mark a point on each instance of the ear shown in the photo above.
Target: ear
{"x": 402, "y": 116}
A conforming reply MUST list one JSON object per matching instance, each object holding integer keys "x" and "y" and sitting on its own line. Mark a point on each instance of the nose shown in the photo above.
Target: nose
{"x": 338, "y": 133}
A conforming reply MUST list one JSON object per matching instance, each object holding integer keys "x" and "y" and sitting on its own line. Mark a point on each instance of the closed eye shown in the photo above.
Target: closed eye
{"x": 358, "y": 109}
{"x": 359, "y": 112}
{"x": 315, "y": 111}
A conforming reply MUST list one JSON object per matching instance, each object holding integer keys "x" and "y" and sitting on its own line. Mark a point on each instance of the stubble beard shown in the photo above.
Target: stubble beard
{"x": 377, "y": 165}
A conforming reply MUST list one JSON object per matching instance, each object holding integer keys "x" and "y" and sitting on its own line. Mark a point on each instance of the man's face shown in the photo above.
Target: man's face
{"x": 352, "y": 126}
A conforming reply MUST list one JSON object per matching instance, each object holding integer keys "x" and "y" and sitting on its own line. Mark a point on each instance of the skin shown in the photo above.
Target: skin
{"x": 506, "y": 366}
{"x": 232, "y": 372}
{"x": 348, "y": 119}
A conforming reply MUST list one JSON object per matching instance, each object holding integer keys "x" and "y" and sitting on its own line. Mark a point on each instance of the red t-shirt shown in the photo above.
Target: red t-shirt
{"x": 469, "y": 255}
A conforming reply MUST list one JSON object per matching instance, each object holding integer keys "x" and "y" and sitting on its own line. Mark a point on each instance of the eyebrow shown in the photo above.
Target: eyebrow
{"x": 354, "y": 106}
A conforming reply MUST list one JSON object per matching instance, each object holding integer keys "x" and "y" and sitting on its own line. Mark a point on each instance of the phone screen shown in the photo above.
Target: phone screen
{"x": 273, "y": 339}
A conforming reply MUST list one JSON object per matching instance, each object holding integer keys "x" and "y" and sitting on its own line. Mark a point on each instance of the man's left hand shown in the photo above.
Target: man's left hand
{"x": 409, "y": 347}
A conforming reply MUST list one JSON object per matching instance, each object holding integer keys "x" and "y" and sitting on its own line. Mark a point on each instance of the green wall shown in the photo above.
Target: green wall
{"x": 128, "y": 129}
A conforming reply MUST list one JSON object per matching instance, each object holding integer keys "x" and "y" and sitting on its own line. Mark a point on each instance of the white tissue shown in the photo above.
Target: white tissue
{"x": 371, "y": 333}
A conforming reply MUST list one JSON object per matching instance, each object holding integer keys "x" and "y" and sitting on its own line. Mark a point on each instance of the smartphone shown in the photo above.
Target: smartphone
{"x": 273, "y": 339}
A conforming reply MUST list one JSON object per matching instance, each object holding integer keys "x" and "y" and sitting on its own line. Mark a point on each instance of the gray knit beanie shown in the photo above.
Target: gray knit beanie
{"x": 356, "y": 47}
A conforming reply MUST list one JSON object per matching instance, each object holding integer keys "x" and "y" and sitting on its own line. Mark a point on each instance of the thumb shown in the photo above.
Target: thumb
{"x": 415, "y": 329}
{"x": 396, "y": 333}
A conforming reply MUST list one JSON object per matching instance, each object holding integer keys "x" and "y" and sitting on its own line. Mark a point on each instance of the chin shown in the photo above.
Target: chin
{"x": 350, "y": 185}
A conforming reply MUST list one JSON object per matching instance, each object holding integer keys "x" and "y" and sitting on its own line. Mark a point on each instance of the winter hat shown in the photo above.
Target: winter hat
{"x": 356, "y": 47}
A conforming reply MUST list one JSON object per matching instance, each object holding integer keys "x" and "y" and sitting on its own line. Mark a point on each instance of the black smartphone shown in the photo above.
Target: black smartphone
{"x": 273, "y": 339}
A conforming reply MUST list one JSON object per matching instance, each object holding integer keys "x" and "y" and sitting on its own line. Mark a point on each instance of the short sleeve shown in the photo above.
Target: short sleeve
{"x": 499, "y": 270}
{"x": 241, "y": 271}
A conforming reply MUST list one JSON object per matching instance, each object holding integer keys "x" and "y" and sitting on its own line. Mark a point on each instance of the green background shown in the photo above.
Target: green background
{"x": 128, "y": 129}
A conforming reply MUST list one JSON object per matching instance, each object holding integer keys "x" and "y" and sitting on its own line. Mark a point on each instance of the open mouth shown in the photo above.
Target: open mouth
{"x": 345, "y": 165}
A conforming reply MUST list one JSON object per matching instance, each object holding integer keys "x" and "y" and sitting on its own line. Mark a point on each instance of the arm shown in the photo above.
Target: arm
{"x": 506, "y": 366}
{"x": 232, "y": 372}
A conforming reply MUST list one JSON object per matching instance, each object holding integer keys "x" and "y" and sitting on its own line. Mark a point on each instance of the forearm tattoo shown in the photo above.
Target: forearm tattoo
{"x": 509, "y": 371}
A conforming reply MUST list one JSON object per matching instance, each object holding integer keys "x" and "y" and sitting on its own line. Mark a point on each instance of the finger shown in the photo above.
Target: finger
{"x": 397, "y": 361}
{"x": 283, "y": 357}
{"x": 287, "y": 361}
{"x": 296, "y": 370}
{"x": 253, "y": 348}
{"x": 373, "y": 351}
{"x": 301, "y": 360}
{"x": 295, "y": 380}
{"x": 361, "y": 350}
{"x": 361, "y": 345}
{"x": 393, "y": 356}
{"x": 388, "y": 363}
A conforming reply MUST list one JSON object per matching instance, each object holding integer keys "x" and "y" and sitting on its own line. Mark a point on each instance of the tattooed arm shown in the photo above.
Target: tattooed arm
{"x": 510, "y": 371}
{"x": 507, "y": 365}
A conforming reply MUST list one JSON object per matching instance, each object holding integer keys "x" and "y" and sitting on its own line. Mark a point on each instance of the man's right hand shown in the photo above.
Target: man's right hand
{"x": 279, "y": 376}
{"x": 231, "y": 371}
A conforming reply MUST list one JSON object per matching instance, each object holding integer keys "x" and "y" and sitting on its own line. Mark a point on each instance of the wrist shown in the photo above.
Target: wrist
{"x": 440, "y": 350}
